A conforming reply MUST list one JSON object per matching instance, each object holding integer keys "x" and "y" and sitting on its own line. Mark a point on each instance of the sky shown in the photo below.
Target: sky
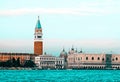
{"x": 91, "y": 25}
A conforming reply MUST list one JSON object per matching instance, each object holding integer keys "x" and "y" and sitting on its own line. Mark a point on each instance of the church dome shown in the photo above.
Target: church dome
{"x": 63, "y": 53}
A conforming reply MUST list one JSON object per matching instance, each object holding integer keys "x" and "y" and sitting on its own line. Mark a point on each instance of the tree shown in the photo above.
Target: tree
{"x": 18, "y": 62}
{"x": 29, "y": 63}
{"x": 14, "y": 62}
{"x": 8, "y": 63}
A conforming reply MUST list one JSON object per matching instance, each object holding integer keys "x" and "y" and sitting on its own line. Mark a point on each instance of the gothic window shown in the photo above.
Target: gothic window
{"x": 92, "y": 58}
{"x": 98, "y": 58}
{"x": 102, "y": 59}
{"x": 116, "y": 58}
{"x": 86, "y": 58}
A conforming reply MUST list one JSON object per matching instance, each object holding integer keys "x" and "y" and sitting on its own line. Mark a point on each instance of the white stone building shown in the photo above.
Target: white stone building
{"x": 49, "y": 62}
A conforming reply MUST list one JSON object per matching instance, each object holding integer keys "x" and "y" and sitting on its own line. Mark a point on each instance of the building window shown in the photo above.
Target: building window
{"x": 92, "y": 58}
{"x": 116, "y": 58}
{"x": 102, "y": 59}
{"x": 112, "y": 59}
{"x": 59, "y": 62}
{"x": 86, "y": 58}
{"x": 78, "y": 58}
{"x": 81, "y": 58}
{"x": 98, "y": 58}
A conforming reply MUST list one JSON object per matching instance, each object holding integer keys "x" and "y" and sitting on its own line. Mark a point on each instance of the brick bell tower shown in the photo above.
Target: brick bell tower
{"x": 38, "y": 41}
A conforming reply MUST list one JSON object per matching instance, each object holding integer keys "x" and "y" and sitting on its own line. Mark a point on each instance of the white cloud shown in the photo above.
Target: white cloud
{"x": 97, "y": 7}
{"x": 88, "y": 9}
{"x": 80, "y": 11}
{"x": 42, "y": 11}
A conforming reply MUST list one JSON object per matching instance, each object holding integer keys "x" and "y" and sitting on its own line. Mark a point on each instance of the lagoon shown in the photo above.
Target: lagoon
{"x": 60, "y": 75}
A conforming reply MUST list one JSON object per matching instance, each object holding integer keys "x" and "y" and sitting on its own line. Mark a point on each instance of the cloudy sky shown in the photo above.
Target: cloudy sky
{"x": 93, "y": 25}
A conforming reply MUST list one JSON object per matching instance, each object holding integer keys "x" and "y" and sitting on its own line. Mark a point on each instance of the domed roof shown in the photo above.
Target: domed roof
{"x": 63, "y": 53}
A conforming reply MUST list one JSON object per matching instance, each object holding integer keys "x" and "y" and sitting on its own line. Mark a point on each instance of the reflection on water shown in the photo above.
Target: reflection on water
{"x": 60, "y": 75}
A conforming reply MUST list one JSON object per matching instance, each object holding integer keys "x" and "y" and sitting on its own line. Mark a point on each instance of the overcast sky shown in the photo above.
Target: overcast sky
{"x": 93, "y": 25}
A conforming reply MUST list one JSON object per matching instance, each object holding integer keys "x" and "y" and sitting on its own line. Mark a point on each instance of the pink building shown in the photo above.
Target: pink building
{"x": 80, "y": 60}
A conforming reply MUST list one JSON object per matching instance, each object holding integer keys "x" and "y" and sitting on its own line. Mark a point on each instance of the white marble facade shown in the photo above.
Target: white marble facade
{"x": 49, "y": 61}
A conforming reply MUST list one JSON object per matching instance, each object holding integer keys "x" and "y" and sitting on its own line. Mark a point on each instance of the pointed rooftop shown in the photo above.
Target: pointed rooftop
{"x": 81, "y": 50}
{"x": 72, "y": 48}
{"x": 38, "y": 25}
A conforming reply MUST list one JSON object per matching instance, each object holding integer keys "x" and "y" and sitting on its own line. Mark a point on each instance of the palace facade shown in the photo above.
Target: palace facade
{"x": 80, "y": 60}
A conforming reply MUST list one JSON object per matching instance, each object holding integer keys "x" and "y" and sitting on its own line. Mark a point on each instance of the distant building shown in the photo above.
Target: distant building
{"x": 49, "y": 61}
{"x": 81, "y": 60}
{"x": 9, "y": 56}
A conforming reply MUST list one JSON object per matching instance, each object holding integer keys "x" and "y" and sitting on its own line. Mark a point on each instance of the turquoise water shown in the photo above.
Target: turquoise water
{"x": 60, "y": 75}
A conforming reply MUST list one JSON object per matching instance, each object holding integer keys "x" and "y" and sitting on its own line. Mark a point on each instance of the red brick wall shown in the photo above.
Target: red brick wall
{"x": 38, "y": 48}
{"x": 4, "y": 57}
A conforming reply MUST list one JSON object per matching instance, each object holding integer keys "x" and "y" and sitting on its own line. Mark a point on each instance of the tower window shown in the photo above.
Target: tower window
{"x": 39, "y": 37}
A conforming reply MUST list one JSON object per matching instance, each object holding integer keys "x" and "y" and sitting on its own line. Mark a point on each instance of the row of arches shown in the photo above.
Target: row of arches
{"x": 93, "y": 67}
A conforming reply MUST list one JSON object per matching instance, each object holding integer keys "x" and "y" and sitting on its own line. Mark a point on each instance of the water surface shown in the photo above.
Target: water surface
{"x": 60, "y": 75}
